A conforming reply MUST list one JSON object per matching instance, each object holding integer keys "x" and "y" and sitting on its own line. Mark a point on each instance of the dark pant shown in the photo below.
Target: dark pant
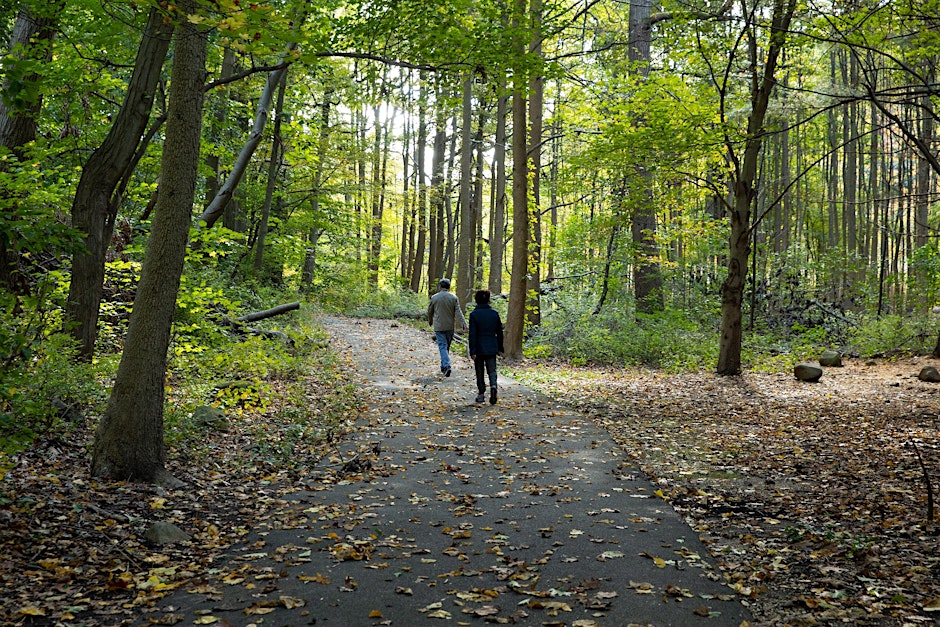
{"x": 489, "y": 363}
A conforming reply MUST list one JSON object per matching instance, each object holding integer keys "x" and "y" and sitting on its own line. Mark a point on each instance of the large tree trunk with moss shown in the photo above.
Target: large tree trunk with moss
{"x": 95, "y": 206}
{"x": 129, "y": 442}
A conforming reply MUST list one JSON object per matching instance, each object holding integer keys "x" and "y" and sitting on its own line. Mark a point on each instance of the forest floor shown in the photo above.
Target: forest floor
{"x": 811, "y": 497}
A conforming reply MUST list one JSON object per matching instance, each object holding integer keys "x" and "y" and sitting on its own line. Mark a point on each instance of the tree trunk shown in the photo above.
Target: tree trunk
{"x": 732, "y": 290}
{"x": 216, "y": 208}
{"x": 313, "y": 236}
{"x": 498, "y": 217}
{"x": 924, "y": 173}
{"x": 478, "y": 201}
{"x": 647, "y": 276}
{"x": 515, "y": 318}
{"x": 30, "y": 41}
{"x": 129, "y": 441}
{"x": 465, "y": 240}
{"x": 375, "y": 221}
{"x": 274, "y": 166}
{"x": 216, "y": 131}
{"x": 408, "y": 209}
{"x": 95, "y": 206}
{"x": 533, "y": 310}
{"x": 435, "y": 230}
{"x": 421, "y": 252}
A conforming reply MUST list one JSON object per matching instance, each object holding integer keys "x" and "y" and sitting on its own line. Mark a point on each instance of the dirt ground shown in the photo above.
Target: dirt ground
{"x": 814, "y": 496}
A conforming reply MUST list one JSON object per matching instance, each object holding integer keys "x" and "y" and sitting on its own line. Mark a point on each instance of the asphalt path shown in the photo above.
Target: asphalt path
{"x": 440, "y": 511}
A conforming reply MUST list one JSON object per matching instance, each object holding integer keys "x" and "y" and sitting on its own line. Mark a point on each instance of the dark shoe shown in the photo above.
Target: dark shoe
{"x": 447, "y": 371}
{"x": 480, "y": 398}
{"x": 492, "y": 396}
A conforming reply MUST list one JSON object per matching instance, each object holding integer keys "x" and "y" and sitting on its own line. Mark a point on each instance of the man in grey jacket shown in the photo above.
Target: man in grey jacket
{"x": 443, "y": 314}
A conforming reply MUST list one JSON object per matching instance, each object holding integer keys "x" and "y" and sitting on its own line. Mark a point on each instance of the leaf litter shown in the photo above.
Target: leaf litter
{"x": 807, "y": 497}
{"x": 811, "y": 497}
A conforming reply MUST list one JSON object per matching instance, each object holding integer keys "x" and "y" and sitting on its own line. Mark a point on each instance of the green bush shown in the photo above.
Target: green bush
{"x": 35, "y": 394}
{"x": 894, "y": 335}
{"x": 667, "y": 340}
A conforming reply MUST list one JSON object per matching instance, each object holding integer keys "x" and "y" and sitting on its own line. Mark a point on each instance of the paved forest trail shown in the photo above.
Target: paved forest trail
{"x": 438, "y": 511}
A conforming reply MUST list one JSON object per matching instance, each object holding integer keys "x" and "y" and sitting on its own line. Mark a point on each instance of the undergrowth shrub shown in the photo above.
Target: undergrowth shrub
{"x": 36, "y": 396}
{"x": 364, "y": 301}
{"x": 892, "y": 335}
{"x": 667, "y": 340}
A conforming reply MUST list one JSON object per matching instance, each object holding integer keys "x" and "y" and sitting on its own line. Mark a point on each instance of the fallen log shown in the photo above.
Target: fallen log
{"x": 239, "y": 325}
{"x": 270, "y": 313}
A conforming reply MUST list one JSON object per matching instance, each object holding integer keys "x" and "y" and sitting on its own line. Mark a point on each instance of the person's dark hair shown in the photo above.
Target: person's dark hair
{"x": 482, "y": 297}
{"x": 445, "y": 284}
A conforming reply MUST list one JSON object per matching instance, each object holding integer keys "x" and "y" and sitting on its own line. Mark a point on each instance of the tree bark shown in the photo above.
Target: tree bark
{"x": 464, "y": 285}
{"x": 435, "y": 222}
{"x": 95, "y": 206}
{"x": 647, "y": 275}
{"x": 274, "y": 166}
{"x": 515, "y": 318}
{"x": 129, "y": 441}
{"x": 31, "y": 40}
{"x": 745, "y": 173}
{"x": 498, "y": 217}
{"x": 313, "y": 235}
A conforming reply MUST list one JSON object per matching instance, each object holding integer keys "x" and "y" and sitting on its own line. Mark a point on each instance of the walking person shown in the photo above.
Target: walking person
{"x": 485, "y": 343}
{"x": 443, "y": 313}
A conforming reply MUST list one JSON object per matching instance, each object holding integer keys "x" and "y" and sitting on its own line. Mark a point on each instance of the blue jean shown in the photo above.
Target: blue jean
{"x": 444, "y": 340}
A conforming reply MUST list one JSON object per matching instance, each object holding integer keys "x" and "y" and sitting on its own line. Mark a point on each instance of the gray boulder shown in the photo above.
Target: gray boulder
{"x": 210, "y": 418}
{"x": 929, "y": 374}
{"x": 831, "y": 358}
{"x": 807, "y": 372}
{"x": 162, "y": 532}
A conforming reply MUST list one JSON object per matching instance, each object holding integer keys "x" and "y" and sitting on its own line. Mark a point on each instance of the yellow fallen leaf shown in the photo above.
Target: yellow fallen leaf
{"x": 31, "y": 611}
{"x": 375, "y": 614}
{"x": 205, "y": 620}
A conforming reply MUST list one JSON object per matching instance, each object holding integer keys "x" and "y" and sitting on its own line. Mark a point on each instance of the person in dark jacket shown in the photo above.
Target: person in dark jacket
{"x": 485, "y": 343}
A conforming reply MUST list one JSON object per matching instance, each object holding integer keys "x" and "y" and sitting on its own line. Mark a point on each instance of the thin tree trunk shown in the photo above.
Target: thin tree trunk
{"x": 313, "y": 236}
{"x": 465, "y": 243}
{"x": 273, "y": 169}
{"x": 129, "y": 441}
{"x": 408, "y": 209}
{"x": 647, "y": 276}
{"x": 215, "y": 209}
{"x": 533, "y": 310}
{"x": 498, "y": 217}
{"x": 375, "y": 222}
{"x": 31, "y": 40}
{"x": 424, "y": 223}
{"x": 478, "y": 201}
